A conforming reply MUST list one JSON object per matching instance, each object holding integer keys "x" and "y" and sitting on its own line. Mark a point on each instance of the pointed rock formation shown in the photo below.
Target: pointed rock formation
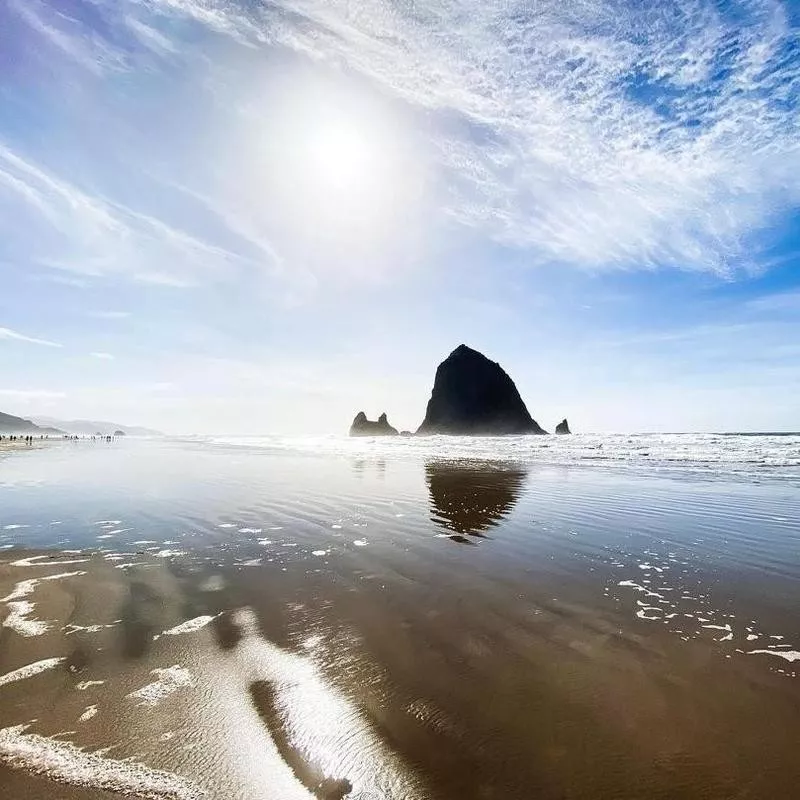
{"x": 474, "y": 396}
{"x": 364, "y": 427}
{"x": 563, "y": 427}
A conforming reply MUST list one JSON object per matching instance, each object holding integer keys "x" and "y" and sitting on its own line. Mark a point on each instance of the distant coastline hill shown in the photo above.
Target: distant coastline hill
{"x": 88, "y": 427}
{"x": 12, "y": 424}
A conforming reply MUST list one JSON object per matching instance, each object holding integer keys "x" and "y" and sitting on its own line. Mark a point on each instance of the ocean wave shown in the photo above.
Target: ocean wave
{"x": 746, "y": 454}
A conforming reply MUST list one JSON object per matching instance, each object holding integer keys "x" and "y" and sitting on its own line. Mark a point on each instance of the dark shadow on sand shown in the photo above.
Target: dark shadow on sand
{"x": 263, "y": 695}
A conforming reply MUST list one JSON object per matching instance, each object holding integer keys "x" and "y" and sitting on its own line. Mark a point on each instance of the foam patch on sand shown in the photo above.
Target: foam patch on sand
{"x": 18, "y": 620}
{"x": 789, "y": 655}
{"x": 19, "y": 610}
{"x": 29, "y": 670}
{"x": 29, "y": 562}
{"x": 66, "y": 763}
{"x": 190, "y": 626}
{"x": 90, "y": 712}
{"x": 84, "y": 685}
{"x": 169, "y": 680}
{"x": 71, "y": 628}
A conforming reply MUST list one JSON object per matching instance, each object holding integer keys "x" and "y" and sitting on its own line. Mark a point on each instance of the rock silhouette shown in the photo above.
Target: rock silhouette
{"x": 563, "y": 427}
{"x": 475, "y": 396}
{"x": 471, "y": 498}
{"x": 364, "y": 427}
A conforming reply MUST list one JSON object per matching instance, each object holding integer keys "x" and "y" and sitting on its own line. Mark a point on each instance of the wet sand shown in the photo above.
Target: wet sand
{"x": 464, "y": 661}
{"x": 448, "y": 690}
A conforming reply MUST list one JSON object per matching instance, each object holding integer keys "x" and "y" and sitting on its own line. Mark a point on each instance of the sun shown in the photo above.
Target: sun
{"x": 342, "y": 156}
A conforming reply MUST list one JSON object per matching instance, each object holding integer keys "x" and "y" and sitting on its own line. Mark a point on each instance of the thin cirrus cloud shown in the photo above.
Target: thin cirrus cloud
{"x": 110, "y": 315}
{"x": 95, "y": 236}
{"x": 594, "y": 133}
{"x": 102, "y": 356}
{"x": 15, "y": 336}
{"x": 31, "y": 394}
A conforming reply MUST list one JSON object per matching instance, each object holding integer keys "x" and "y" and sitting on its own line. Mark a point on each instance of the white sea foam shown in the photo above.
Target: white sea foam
{"x": 29, "y": 670}
{"x": 66, "y": 763}
{"x": 789, "y": 655}
{"x": 29, "y": 562}
{"x": 71, "y": 628}
{"x": 20, "y": 590}
{"x": 713, "y": 454}
{"x": 18, "y": 619}
{"x": 168, "y": 681}
{"x": 190, "y": 626}
{"x": 640, "y": 588}
{"x": 88, "y": 713}
{"x": 84, "y": 685}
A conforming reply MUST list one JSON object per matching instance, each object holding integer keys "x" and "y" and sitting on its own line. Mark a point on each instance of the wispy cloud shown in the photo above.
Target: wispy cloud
{"x": 596, "y": 132}
{"x": 777, "y": 302}
{"x": 109, "y": 314}
{"x": 16, "y": 336}
{"x": 31, "y": 394}
{"x": 84, "y": 47}
{"x": 93, "y": 235}
{"x": 102, "y": 356}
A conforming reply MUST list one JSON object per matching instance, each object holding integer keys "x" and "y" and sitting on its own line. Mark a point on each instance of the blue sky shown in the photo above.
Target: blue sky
{"x": 234, "y": 216}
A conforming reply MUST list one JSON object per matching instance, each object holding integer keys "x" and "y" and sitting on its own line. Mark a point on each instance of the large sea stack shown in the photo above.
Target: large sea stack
{"x": 365, "y": 427}
{"x": 563, "y": 427}
{"x": 473, "y": 396}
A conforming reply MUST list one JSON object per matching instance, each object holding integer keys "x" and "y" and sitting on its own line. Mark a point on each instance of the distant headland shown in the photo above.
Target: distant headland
{"x": 471, "y": 396}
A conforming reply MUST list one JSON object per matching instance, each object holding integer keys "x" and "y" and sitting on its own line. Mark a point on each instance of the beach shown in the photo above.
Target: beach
{"x": 429, "y": 619}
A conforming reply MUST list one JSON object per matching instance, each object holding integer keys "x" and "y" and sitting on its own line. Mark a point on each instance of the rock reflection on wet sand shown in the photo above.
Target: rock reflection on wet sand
{"x": 470, "y": 498}
{"x": 584, "y": 647}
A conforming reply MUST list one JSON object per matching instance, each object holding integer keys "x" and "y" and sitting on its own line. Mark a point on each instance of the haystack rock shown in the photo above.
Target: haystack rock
{"x": 563, "y": 427}
{"x": 473, "y": 396}
{"x": 364, "y": 427}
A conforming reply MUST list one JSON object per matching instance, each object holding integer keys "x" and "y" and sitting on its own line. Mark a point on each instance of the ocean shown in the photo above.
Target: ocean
{"x": 590, "y": 616}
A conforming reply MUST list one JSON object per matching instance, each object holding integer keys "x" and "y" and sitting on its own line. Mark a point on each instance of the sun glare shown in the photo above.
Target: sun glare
{"x": 342, "y": 157}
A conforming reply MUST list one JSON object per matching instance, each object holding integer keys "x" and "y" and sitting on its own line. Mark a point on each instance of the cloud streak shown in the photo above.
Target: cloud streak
{"x": 16, "y": 336}
{"x": 90, "y": 234}
{"x": 594, "y": 133}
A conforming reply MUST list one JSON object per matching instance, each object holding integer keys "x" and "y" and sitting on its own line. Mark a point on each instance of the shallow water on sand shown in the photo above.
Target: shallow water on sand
{"x": 185, "y": 619}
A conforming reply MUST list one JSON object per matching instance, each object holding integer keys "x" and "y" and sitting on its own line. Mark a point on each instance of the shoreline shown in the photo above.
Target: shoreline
{"x": 272, "y": 626}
